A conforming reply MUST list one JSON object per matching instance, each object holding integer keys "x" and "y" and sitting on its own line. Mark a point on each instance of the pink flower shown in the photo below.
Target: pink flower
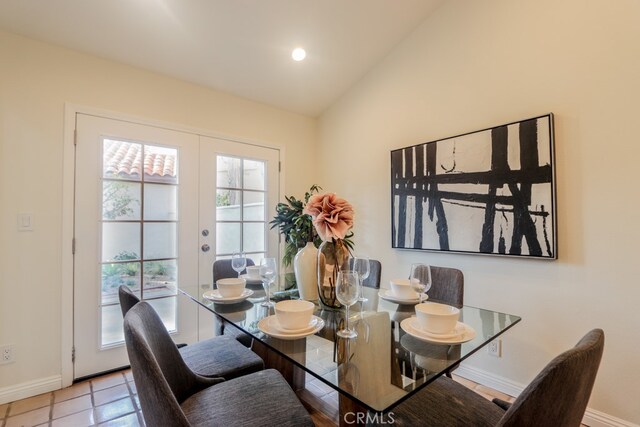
{"x": 332, "y": 216}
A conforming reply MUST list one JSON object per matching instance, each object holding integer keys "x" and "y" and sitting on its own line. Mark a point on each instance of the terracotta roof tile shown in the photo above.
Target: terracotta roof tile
{"x": 125, "y": 160}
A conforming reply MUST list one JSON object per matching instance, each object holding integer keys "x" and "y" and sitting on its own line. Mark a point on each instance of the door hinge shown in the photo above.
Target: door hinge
{"x": 279, "y": 166}
{"x": 73, "y": 246}
{"x": 75, "y": 137}
{"x": 73, "y": 354}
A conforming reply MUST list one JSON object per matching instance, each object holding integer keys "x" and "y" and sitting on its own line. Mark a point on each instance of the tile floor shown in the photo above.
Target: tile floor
{"x": 111, "y": 400}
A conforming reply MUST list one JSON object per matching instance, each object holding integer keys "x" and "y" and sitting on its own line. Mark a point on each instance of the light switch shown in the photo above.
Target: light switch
{"x": 25, "y": 222}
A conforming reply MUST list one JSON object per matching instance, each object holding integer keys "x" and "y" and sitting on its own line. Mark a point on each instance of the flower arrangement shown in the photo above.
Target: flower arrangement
{"x": 295, "y": 226}
{"x": 332, "y": 217}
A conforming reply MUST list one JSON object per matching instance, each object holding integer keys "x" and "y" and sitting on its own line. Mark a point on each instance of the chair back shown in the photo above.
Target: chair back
{"x": 222, "y": 269}
{"x": 127, "y": 299}
{"x": 162, "y": 378}
{"x": 447, "y": 285}
{"x": 558, "y": 396}
{"x": 375, "y": 268}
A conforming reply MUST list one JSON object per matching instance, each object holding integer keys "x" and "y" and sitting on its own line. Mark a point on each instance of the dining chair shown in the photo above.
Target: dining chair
{"x": 557, "y": 396}
{"x": 214, "y": 357}
{"x": 222, "y": 269}
{"x": 447, "y": 285}
{"x": 171, "y": 394}
{"x": 375, "y": 270}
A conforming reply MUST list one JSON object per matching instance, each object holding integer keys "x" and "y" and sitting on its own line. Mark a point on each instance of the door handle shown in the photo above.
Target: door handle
{"x": 205, "y": 248}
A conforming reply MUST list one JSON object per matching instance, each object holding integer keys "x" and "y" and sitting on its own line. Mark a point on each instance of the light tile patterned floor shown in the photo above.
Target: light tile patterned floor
{"x": 111, "y": 400}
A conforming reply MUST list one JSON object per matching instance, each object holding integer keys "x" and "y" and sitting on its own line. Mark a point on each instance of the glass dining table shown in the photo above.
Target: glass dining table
{"x": 384, "y": 365}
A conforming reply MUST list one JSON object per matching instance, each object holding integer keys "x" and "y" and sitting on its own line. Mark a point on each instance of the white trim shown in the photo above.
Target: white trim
{"x": 70, "y": 112}
{"x": 68, "y": 185}
{"x": 30, "y": 388}
{"x": 592, "y": 417}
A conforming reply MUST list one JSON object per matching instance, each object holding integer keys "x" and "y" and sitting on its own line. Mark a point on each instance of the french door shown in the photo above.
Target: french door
{"x": 154, "y": 207}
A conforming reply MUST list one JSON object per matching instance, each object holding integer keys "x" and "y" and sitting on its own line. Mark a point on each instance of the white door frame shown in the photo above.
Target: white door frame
{"x": 68, "y": 191}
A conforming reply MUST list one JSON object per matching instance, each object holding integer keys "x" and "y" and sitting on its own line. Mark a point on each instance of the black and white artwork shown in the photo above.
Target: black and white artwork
{"x": 485, "y": 192}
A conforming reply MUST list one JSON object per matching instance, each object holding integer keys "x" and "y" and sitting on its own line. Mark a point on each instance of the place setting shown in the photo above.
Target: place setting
{"x": 409, "y": 291}
{"x": 252, "y": 276}
{"x": 438, "y": 323}
{"x": 229, "y": 291}
{"x": 293, "y": 319}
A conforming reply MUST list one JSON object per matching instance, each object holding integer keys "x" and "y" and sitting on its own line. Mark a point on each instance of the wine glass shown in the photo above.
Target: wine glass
{"x": 238, "y": 262}
{"x": 361, "y": 266}
{"x": 347, "y": 293}
{"x": 268, "y": 273}
{"x": 420, "y": 279}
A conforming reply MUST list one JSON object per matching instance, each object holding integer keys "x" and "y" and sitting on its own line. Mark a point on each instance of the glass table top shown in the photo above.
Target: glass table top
{"x": 380, "y": 368}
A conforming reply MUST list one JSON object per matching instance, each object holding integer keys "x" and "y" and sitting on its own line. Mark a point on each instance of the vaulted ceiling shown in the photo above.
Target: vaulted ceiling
{"x": 241, "y": 47}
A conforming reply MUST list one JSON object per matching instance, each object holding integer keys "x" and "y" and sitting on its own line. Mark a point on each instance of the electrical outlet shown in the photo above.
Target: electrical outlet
{"x": 6, "y": 354}
{"x": 495, "y": 348}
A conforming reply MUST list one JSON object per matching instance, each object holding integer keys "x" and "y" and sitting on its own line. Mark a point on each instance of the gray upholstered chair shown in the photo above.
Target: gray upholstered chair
{"x": 173, "y": 395}
{"x": 447, "y": 285}
{"x": 557, "y": 396}
{"x": 222, "y": 270}
{"x": 375, "y": 270}
{"x": 214, "y": 357}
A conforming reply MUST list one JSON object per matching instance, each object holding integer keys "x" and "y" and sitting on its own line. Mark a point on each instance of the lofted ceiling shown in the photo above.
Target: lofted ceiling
{"x": 241, "y": 47}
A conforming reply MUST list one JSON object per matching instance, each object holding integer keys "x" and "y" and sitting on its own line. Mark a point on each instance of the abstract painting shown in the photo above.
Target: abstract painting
{"x": 485, "y": 192}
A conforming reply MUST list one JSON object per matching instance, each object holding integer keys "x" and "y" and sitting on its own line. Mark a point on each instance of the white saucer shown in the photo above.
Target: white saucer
{"x": 251, "y": 280}
{"x": 215, "y": 296}
{"x": 275, "y": 326}
{"x": 463, "y": 333}
{"x": 386, "y": 294}
{"x": 273, "y": 329}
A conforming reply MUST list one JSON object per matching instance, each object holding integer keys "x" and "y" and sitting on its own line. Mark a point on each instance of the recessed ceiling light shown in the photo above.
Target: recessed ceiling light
{"x": 298, "y": 54}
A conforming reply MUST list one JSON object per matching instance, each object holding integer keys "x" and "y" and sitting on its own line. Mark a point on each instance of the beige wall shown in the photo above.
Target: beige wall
{"x": 35, "y": 82}
{"x": 476, "y": 64}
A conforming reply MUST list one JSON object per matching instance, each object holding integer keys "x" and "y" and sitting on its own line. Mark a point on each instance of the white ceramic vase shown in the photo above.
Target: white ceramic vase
{"x": 304, "y": 267}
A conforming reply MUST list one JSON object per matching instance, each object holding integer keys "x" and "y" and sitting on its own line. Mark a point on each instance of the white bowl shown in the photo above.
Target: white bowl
{"x": 253, "y": 271}
{"x": 437, "y": 318}
{"x": 401, "y": 288}
{"x": 294, "y": 314}
{"x": 232, "y": 287}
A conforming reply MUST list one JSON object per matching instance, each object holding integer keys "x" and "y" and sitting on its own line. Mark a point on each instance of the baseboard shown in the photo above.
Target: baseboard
{"x": 592, "y": 417}
{"x": 30, "y": 388}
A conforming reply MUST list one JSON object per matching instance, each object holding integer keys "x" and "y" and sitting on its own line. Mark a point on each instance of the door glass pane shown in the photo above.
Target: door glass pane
{"x": 114, "y": 275}
{"x": 253, "y": 206}
{"x": 253, "y": 236}
{"x": 160, "y": 164}
{"x": 160, "y": 202}
{"x": 229, "y": 172}
{"x": 160, "y": 278}
{"x": 228, "y": 205}
{"x": 120, "y": 200}
{"x": 227, "y": 237}
{"x": 139, "y": 185}
{"x": 247, "y": 206}
{"x": 166, "y": 309}
{"x": 121, "y": 160}
{"x": 112, "y": 332}
{"x": 160, "y": 240}
{"x": 120, "y": 241}
{"x": 254, "y": 175}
